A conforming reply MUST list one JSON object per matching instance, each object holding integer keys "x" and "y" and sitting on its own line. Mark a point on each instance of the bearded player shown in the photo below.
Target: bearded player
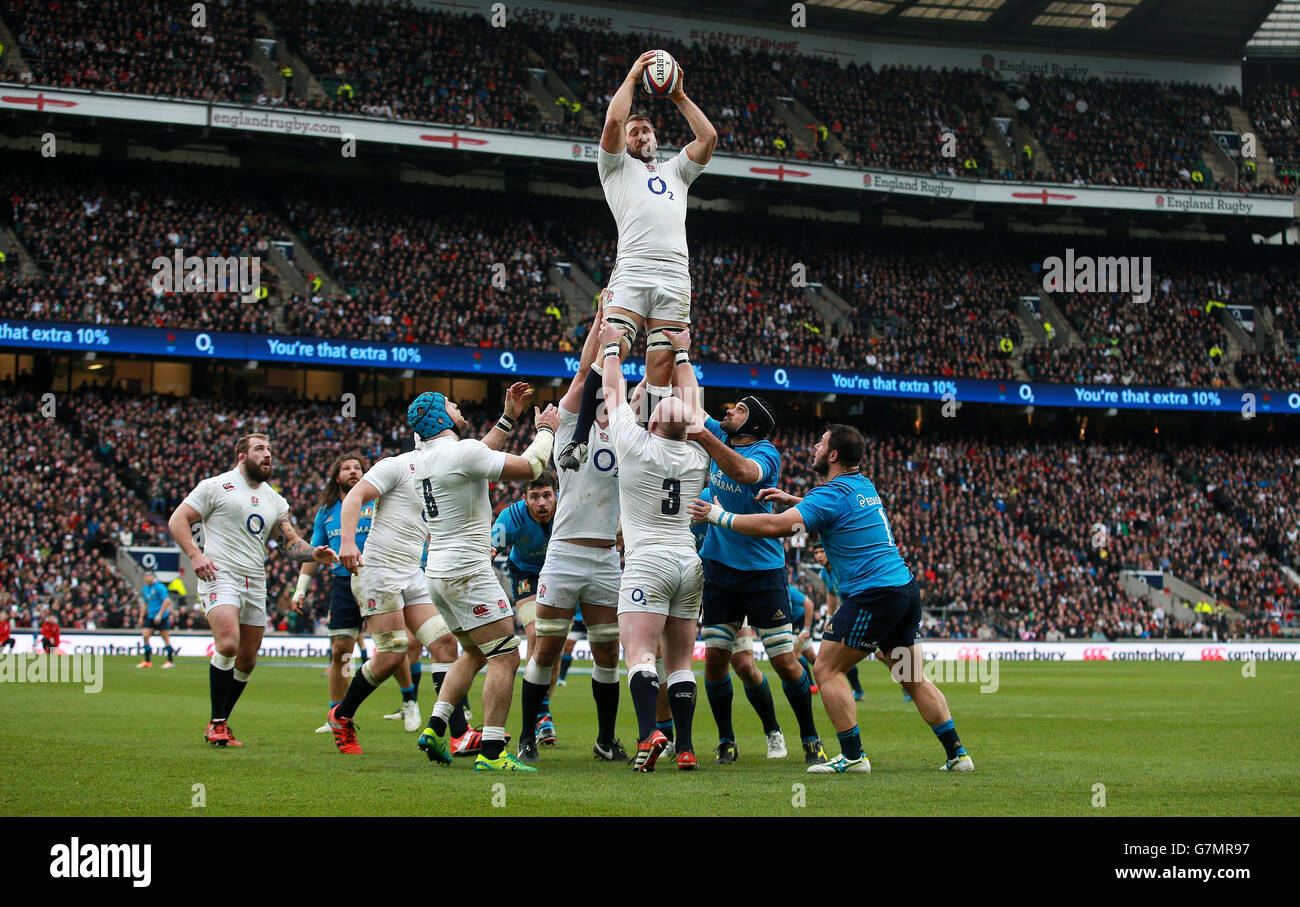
{"x": 236, "y": 508}
{"x": 650, "y": 286}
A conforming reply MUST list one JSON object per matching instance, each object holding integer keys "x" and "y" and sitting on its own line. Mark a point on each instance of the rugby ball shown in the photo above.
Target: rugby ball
{"x": 662, "y": 76}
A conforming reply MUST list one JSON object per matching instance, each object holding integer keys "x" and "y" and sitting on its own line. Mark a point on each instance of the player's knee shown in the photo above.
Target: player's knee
{"x": 553, "y": 626}
{"x": 505, "y": 648}
{"x": 227, "y": 647}
{"x": 605, "y": 654}
{"x": 390, "y": 641}
{"x": 778, "y": 642}
{"x": 720, "y": 636}
{"x": 823, "y": 671}
{"x": 429, "y": 632}
{"x": 747, "y": 671}
{"x": 627, "y": 329}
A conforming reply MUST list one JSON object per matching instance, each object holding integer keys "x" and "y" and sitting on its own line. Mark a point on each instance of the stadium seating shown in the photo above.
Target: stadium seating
{"x": 391, "y": 59}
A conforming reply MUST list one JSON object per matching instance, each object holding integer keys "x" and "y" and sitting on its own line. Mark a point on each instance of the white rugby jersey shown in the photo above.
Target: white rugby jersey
{"x": 657, "y": 479}
{"x": 456, "y": 503}
{"x": 588, "y": 506}
{"x": 398, "y": 528}
{"x": 648, "y": 202}
{"x": 237, "y": 521}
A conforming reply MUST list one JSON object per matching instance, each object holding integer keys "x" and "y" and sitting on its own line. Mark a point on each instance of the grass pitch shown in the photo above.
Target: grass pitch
{"x": 1164, "y": 739}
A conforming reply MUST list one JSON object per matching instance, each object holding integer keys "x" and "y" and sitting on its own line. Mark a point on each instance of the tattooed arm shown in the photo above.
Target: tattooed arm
{"x": 291, "y": 544}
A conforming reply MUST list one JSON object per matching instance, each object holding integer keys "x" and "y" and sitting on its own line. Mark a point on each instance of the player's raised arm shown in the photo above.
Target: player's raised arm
{"x": 182, "y": 518}
{"x": 535, "y": 458}
{"x": 758, "y": 525}
{"x": 572, "y": 398}
{"x": 361, "y": 494}
{"x": 611, "y": 137}
{"x": 296, "y": 547}
{"x": 516, "y": 395}
{"x": 699, "y": 151}
{"x": 615, "y": 386}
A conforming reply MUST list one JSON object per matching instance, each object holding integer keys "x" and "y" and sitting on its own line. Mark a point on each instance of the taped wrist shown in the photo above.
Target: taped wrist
{"x": 539, "y": 452}
{"x": 720, "y": 517}
{"x": 304, "y": 581}
{"x": 611, "y": 349}
{"x": 505, "y": 423}
{"x": 681, "y": 357}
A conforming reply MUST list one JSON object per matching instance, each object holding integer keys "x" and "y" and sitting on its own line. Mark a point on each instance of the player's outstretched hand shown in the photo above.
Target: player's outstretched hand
{"x": 204, "y": 569}
{"x": 516, "y": 395}
{"x": 699, "y": 511}
{"x": 350, "y": 555}
{"x": 680, "y": 94}
{"x": 609, "y": 333}
{"x": 777, "y": 496}
{"x": 639, "y": 66}
{"x": 681, "y": 340}
{"x": 324, "y": 554}
{"x": 550, "y": 417}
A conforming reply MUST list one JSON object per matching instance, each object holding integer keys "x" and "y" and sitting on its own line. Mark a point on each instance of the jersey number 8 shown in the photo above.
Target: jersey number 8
{"x": 430, "y": 505}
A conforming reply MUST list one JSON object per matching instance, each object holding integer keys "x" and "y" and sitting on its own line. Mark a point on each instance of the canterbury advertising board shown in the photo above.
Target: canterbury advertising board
{"x": 200, "y": 646}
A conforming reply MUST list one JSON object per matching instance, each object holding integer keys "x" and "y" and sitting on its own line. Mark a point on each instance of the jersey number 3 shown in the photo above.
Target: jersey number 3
{"x": 430, "y": 505}
{"x": 673, "y": 503}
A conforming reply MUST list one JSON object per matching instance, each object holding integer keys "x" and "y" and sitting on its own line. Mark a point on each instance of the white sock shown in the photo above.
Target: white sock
{"x": 494, "y": 733}
{"x": 443, "y": 710}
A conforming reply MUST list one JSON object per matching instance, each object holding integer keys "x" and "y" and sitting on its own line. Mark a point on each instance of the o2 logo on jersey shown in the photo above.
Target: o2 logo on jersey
{"x": 662, "y": 187}
{"x": 607, "y": 463}
{"x": 638, "y": 596}
{"x": 261, "y": 523}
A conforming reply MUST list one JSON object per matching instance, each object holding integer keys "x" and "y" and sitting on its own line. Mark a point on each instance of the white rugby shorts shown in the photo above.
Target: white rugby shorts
{"x": 662, "y": 579}
{"x": 471, "y": 600}
{"x": 576, "y": 574}
{"x": 651, "y": 290}
{"x": 247, "y": 593}
{"x": 383, "y": 590}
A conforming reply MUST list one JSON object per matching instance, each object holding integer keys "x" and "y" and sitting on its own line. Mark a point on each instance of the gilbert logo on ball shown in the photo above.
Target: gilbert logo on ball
{"x": 662, "y": 75}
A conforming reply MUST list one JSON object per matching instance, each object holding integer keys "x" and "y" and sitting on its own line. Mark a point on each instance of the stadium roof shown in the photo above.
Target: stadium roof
{"x": 1186, "y": 29}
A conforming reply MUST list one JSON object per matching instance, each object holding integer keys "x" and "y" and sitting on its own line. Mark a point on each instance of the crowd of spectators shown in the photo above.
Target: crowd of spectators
{"x": 127, "y": 46}
{"x": 380, "y": 57}
{"x": 454, "y": 268}
{"x": 419, "y": 264}
{"x": 65, "y": 513}
{"x": 1142, "y": 134}
{"x": 1274, "y": 110}
{"x": 96, "y": 233}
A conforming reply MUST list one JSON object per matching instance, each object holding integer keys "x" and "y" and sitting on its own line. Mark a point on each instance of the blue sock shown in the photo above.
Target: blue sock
{"x": 566, "y": 661}
{"x": 947, "y": 735}
{"x": 850, "y": 742}
{"x": 666, "y": 727}
{"x": 416, "y": 673}
{"x": 408, "y": 693}
{"x": 333, "y": 703}
{"x": 148, "y": 653}
{"x": 546, "y": 704}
